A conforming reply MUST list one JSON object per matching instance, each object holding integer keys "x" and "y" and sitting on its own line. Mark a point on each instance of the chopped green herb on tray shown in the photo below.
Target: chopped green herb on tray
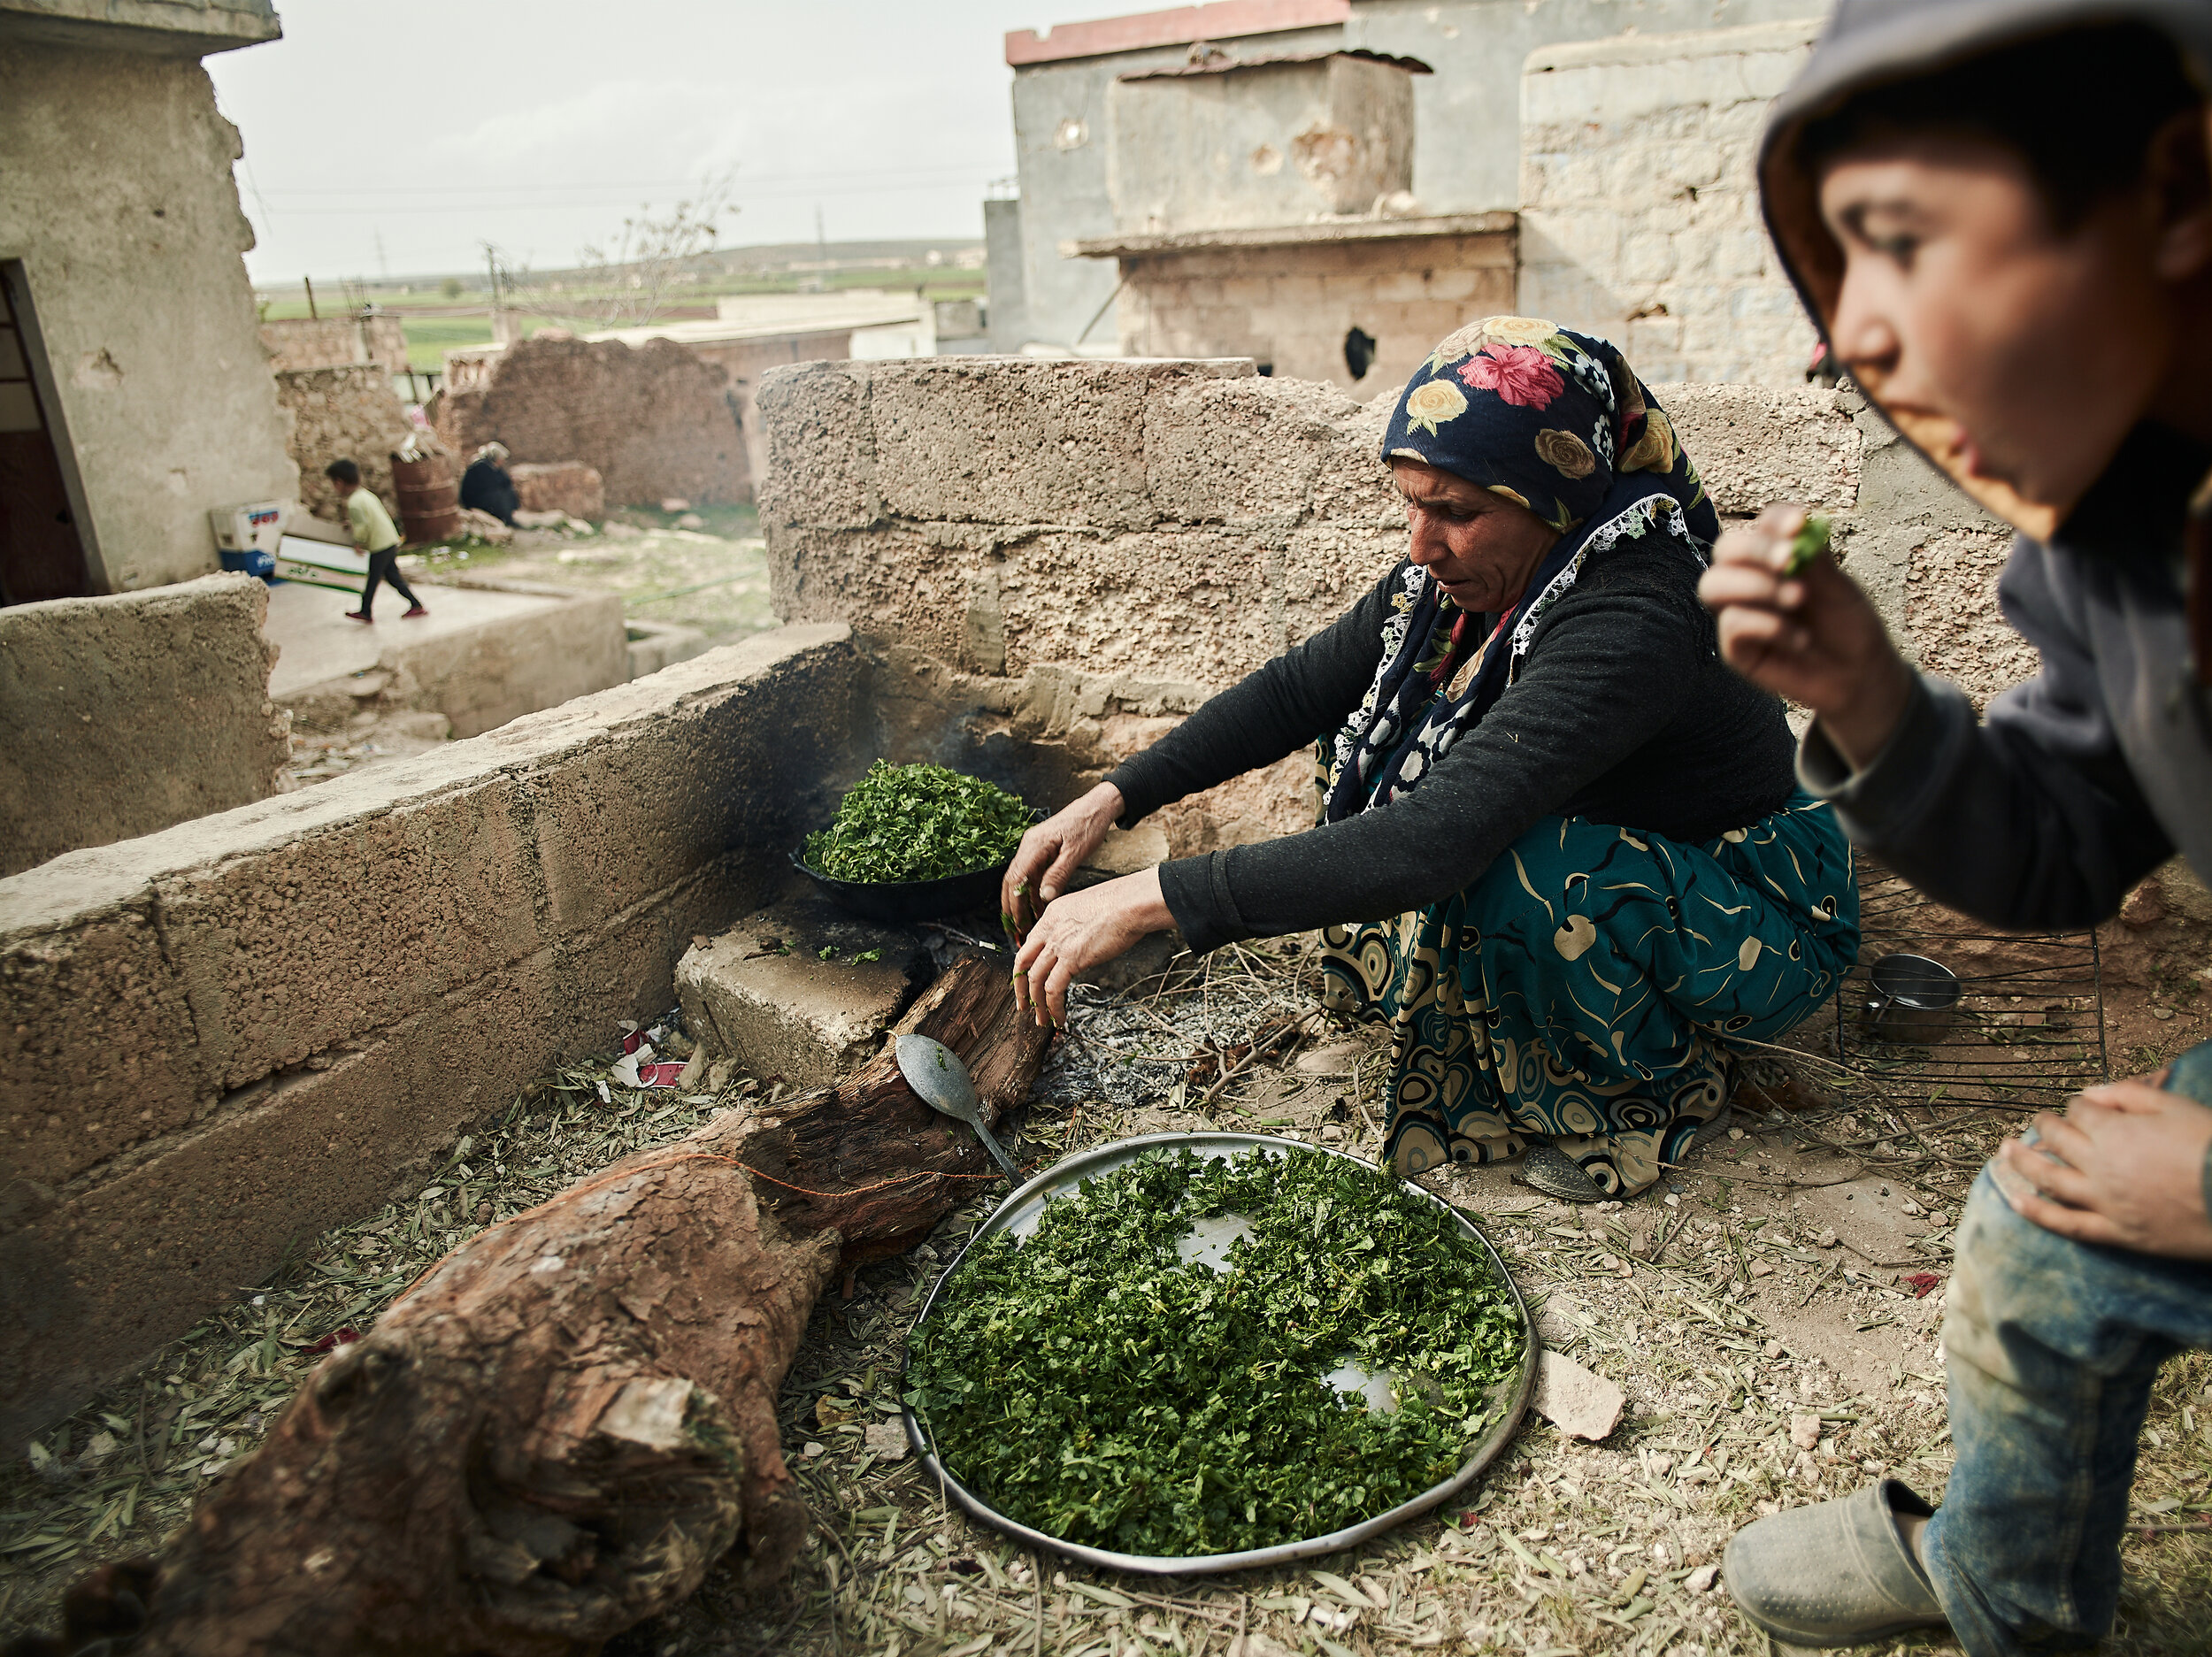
{"x": 917, "y": 823}
{"x": 1091, "y": 1383}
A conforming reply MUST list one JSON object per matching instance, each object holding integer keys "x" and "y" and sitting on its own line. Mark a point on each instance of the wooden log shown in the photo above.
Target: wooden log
{"x": 567, "y": 1422}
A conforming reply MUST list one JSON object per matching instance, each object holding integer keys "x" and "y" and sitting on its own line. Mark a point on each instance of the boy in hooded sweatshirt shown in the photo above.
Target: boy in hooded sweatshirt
{"x": 2000, "y": 213}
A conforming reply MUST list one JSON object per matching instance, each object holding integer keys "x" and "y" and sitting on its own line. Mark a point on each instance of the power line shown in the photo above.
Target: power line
{"x": 872, "y": 172}
{"x": 544, "y": 206}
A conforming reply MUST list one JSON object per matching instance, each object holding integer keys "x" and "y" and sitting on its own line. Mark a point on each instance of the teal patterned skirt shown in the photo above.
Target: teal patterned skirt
{"x": 1594, "y": 987}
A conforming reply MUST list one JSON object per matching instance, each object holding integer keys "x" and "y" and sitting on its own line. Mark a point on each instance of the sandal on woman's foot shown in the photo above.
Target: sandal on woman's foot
{"x": 1552, "y": 1172}
{"x": 1713, "y": 1129}
{"x": 1837, "y": 1573}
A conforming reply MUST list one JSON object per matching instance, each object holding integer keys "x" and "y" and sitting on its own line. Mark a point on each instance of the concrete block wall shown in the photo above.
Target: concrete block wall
{"x": 244, "y": 1030}
{"x": 122, "y": 715}
{"x": 1292, "y": 306}
{"x": 1071, "y": 556}
{"x": 1640, "y": 212}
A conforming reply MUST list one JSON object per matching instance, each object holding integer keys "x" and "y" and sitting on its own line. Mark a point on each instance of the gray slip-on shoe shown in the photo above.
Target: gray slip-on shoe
{"x": 1837, "y": 1573}
{"x": 1551, "y": 1170}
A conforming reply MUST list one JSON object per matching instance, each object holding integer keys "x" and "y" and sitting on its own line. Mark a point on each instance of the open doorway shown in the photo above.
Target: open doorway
{"x": 41, "y": 553}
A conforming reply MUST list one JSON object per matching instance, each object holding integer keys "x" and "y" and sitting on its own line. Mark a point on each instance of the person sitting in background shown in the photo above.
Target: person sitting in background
{"x": 374, "y": 535}
{"x": 2000, "y": 214}
{"x": 487, "y": 486}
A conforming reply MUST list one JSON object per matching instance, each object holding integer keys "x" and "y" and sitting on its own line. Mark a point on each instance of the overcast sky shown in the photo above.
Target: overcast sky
{"x": 439, "y": 124}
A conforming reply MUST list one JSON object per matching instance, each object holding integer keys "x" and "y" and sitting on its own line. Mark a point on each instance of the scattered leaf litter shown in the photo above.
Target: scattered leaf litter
{"x": 1565, "y": 1548}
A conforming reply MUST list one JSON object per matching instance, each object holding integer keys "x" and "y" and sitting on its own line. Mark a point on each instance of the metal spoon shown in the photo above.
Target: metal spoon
{"x": 934, "y": 1071}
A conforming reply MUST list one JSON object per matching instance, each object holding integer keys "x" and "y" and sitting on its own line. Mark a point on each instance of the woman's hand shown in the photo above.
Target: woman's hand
{"x": 1813, "y": 637}
{"x": 1078, "y": 931}
{"x": 1051, "y": 854}
{"x": 2124, "y": 1166}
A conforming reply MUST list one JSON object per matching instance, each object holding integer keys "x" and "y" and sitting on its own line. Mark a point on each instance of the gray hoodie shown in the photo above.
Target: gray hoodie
{"x": 2079, "y": 782}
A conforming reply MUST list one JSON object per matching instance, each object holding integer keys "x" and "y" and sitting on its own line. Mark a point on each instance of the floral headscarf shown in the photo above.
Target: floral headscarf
{"x": 1556, "y": 422}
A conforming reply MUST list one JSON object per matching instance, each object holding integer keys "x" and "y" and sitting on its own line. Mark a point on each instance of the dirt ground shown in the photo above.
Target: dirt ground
{"x": 1772, "y": 1311}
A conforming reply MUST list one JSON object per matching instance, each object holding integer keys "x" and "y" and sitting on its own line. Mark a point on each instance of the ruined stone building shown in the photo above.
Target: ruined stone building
{"x": 643, "y": 404}
{"x": 1578, "y": 159}
{"x": 135, "y": 393}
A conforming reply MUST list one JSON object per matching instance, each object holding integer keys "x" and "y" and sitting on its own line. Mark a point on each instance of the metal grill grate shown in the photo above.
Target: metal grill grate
{"x": 2027, "y": 1027}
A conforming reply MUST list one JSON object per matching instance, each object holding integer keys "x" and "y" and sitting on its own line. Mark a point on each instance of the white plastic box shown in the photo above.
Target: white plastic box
{"x": 256, "y": 527}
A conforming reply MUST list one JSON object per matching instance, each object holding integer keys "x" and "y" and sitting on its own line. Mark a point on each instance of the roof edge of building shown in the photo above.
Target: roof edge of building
{"x": 1500, "y": 222}
{"x": 1226, "y": 65}
{"x": 181, "y": 28}
{"x": 1180, "y": 26}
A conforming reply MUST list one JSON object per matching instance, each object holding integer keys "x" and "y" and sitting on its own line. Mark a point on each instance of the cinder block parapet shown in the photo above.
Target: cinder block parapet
{"x": 122, "y": 715}
{"x": 243, "y": 1030}
{"x": 967, "y": 440}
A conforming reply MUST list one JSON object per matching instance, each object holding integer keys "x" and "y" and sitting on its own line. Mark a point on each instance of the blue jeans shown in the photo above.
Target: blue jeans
{"x": 2051, "y": 1347}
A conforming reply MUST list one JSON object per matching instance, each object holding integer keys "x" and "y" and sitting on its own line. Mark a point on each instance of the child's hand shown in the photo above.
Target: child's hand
{"x": 1813, "y": 637}
{"x": 2124, "y": 1166}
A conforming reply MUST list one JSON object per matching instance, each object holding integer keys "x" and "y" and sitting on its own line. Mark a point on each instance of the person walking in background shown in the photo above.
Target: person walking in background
{"x": 487, "y": 486}
{"x": 374, "y": 534}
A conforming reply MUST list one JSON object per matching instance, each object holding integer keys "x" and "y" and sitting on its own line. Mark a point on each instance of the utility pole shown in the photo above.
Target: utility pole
{"x": 491, "y": 274}
{"x": 383, "y": 265}
{"x": 308, "y": 282}
{"x": 821, "y": 242}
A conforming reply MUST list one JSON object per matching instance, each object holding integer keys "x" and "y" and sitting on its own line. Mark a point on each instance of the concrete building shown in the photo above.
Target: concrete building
{"x": 1466, "y": 116}
{"x": 1240, "y": 142}
{"x": 1258, "y": 206}
{"x": 1356, "y": 304}
{"x": 1061, "y": 81}
{"x": 135, "y": 395}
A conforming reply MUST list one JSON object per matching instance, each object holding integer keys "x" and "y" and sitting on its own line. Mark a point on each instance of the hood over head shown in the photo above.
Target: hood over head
{"x": 1872, "y": 43}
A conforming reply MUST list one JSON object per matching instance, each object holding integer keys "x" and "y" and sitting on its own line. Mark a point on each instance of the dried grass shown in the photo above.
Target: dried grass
{"x": 1704, "y": 1309}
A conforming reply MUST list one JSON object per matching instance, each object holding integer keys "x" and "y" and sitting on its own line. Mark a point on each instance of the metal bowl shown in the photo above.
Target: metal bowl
{"x": 1018, "y": 1213}
{"x": 897, "y": 903}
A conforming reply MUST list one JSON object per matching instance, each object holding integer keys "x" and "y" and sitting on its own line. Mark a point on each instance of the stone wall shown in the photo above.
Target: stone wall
{"x": 298, "y": 343}
{"x": 560, "y": 486}
{"x": 122, "y": 715}
{"x": 1639, "y": 213}
{"x": 117, "y": 196}
{"x": 351, "y": 411}
{"x": 245, "y": 1030}
{"x": 656, "y": 419}
{"x": 1293, "y": 305}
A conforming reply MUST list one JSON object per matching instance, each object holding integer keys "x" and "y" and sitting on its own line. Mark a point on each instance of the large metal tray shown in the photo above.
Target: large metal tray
{"x": 1019, "y": 1213}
